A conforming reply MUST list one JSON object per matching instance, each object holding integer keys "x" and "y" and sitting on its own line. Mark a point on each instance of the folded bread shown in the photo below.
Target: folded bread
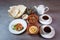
{"x": 17, "y": 11}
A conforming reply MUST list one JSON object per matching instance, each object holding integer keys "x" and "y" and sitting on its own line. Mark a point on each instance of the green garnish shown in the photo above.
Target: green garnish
{"x": 14, "y": 28}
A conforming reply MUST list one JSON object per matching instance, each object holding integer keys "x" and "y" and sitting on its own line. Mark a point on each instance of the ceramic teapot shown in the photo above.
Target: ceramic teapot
{"x": 41, "y": 9}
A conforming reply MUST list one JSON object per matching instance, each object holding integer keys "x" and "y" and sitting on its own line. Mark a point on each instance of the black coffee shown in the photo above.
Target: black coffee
{"x": 45, "y": 17}
{"x": 47, "y": 29}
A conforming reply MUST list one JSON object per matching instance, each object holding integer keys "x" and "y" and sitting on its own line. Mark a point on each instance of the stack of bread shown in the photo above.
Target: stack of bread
{"x": 17, "y": 11}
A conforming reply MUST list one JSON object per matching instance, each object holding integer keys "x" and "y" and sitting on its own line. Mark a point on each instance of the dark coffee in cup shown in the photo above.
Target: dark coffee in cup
{"x": 45, "y": 17}
{"x": 47, "y": 29}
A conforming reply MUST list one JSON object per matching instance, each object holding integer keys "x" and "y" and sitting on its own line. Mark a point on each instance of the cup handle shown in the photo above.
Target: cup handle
{"x": 46, "y": 9}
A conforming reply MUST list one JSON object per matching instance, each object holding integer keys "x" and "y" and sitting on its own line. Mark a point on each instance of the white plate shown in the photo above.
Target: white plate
{"x": 21, "y": 21}
{"x": 49, "y": 35}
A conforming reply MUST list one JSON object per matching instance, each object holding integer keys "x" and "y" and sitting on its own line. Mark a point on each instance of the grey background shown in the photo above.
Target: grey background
{"x": 54, "y": 11}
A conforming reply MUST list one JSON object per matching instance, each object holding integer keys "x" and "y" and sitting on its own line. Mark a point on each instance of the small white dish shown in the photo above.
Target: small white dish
{"x": 21, "y": 21}
{"x": 48, "y": 35}
{"x": 42, "y": 21}
{"x": 24, "y": 16}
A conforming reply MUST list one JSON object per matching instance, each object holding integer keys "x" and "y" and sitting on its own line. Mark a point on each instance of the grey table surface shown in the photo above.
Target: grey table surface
{"x": 54, "y": 11}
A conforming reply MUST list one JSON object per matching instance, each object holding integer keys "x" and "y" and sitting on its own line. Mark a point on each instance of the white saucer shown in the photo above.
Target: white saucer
{"x": 49, "y": 35}
{"x": 46, "y": 22}
{"x": 23, "y": 22}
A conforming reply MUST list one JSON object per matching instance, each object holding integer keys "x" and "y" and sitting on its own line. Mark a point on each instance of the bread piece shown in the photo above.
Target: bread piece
{"x": 13, "y": 11}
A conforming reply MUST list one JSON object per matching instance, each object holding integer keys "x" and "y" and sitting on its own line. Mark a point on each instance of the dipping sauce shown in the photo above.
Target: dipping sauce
{"x": 33, "y": 30}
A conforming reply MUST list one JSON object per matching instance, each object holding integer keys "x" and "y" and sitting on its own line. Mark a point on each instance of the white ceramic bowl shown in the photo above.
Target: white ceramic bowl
{"x": 21, "y": 21}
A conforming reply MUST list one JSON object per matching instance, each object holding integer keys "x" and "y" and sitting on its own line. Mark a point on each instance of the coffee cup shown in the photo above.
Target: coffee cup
{"x": 46, "y": 29}
{"x": 45, "y": 19}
